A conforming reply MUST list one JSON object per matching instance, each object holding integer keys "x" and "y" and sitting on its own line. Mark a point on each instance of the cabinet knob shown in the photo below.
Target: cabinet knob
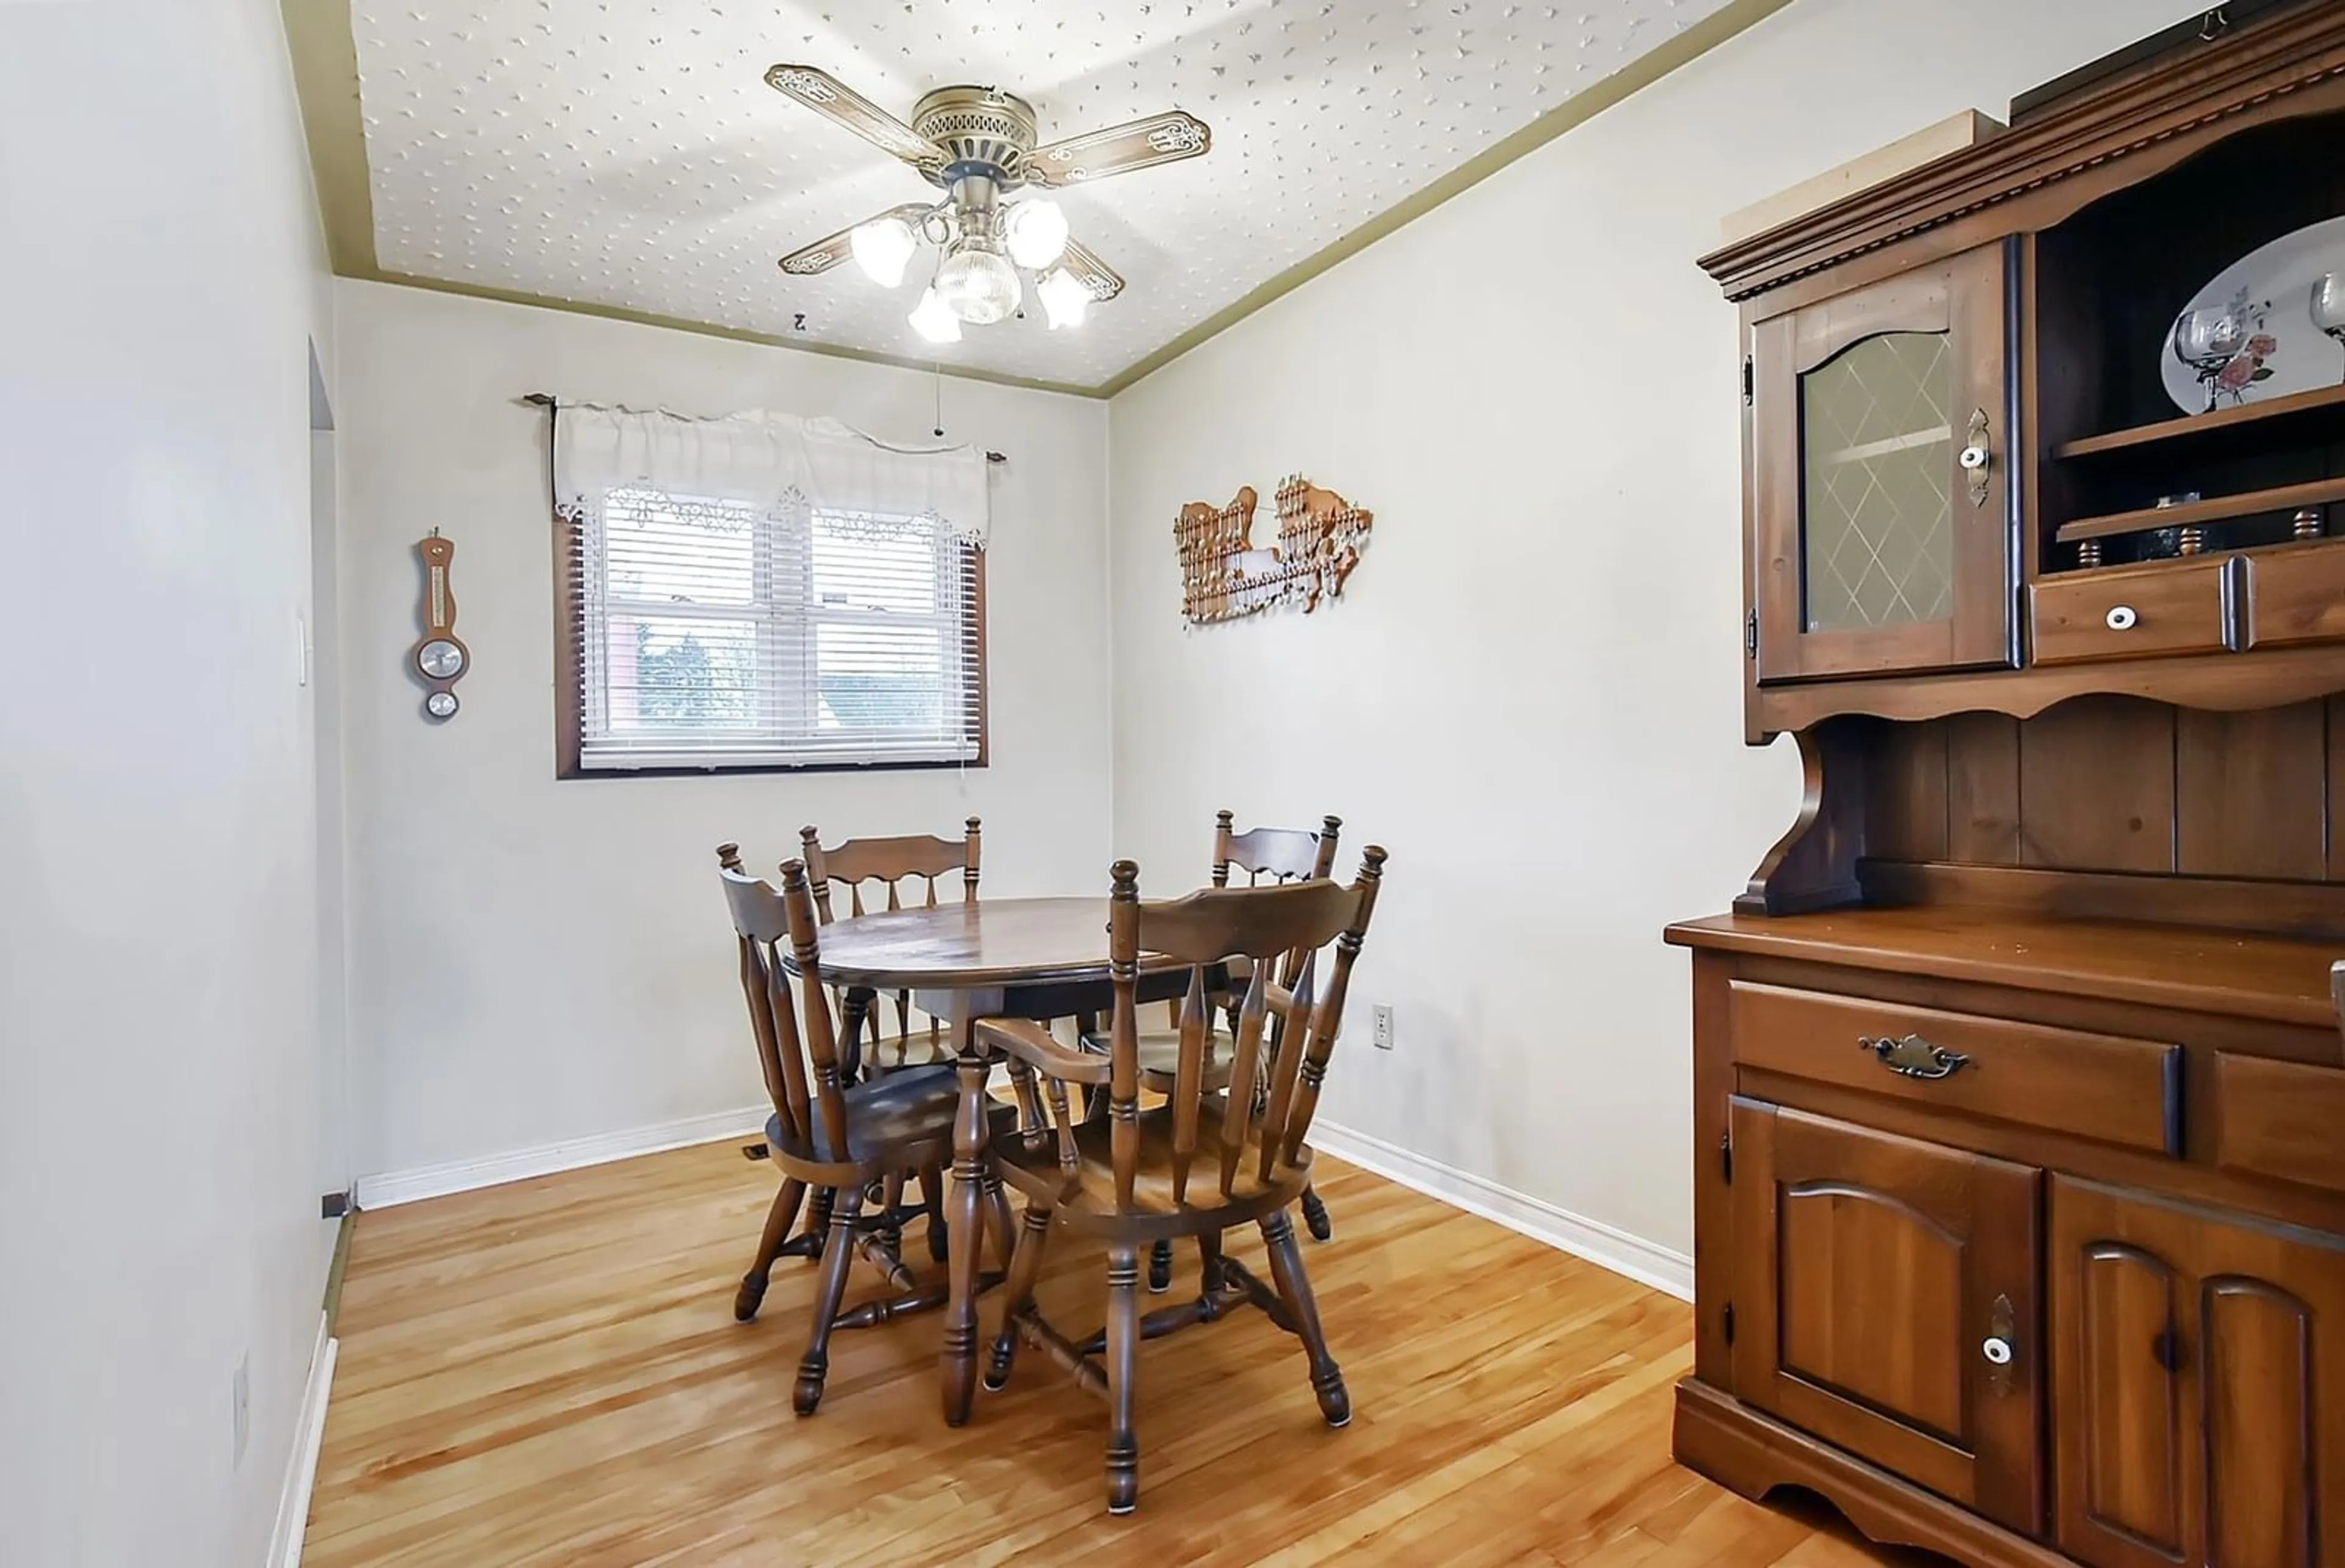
{"x": 1975, "y": 457}
{"x": 2122, "y": 618}
{"x": 1997, "y": 1350}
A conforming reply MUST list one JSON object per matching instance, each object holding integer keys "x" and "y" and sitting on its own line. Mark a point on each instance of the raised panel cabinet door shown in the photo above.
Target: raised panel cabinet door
{"x": 2199, "y": 1403}
{"x": 1885, "y": 1302}
{"x": 1880, "y": 442}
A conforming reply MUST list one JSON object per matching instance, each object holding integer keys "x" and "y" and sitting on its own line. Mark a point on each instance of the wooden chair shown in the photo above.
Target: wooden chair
{"x": 890, "y": 862}
{"x": 827, "y": 1135}
{"x": 1203, "y": 1161}
{"x": 1266, "y": 855}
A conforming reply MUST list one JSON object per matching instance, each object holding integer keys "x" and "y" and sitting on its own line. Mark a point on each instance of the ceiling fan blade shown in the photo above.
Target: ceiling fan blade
{"x": 835, "y": 101}
{"x": 1090, "y": 271}
{"x": 828, "y": 252}
{"x": 1168, "y": 138}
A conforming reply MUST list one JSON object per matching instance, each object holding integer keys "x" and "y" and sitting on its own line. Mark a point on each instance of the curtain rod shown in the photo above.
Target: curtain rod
{"x": 546, "y": 401}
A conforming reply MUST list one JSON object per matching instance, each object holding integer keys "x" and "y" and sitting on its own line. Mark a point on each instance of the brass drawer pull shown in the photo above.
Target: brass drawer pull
{"x": 1914, "y": 1058}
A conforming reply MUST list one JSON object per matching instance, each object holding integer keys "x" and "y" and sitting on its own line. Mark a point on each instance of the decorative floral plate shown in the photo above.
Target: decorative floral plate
{"x": 2284, "y": 352}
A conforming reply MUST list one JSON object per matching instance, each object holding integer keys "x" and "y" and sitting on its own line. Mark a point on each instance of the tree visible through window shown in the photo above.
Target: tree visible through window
{"x": 715, "y": 633}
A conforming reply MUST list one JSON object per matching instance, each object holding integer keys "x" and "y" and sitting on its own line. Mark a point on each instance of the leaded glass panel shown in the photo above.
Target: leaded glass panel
{"x": 1877, "y": 460}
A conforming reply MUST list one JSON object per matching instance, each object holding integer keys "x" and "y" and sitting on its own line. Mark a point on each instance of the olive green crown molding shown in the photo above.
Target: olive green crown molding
{"x": 1581, "y": 107}
{"x": 326, "y": 73}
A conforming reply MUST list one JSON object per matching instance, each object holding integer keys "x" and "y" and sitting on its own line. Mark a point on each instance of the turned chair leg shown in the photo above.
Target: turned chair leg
{"x": 1209, "y": 1274}
{"x": 932, "y": 1198}
{"x": 1295, "y": 1290}
{"x": 1160, "y": 1267}
{"x": 1123, "y": 1373}
{"x": 1025, "y": 1266}
{"x": 1314, "y": 1215}
{"x": 818, "y": 1225}
{"x": 1002, "y": 1222}
{"x": 779, "y": 1219}
{"x": 815, "y": 1365}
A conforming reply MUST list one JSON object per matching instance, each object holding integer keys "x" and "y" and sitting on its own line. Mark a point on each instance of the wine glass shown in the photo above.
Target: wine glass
{"x": 2207, "y": 339}
{"x": 2329, "y": 306}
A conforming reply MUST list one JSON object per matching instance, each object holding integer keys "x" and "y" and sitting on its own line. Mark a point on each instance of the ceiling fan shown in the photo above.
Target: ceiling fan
{"x": 979, "y": 145}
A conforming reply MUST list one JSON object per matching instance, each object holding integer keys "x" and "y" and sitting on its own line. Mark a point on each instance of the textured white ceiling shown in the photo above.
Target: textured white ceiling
{"x": 627, "y": 153}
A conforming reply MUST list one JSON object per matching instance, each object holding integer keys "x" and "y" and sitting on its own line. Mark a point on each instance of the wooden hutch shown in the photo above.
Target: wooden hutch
{"x": 2019, "y": 1088}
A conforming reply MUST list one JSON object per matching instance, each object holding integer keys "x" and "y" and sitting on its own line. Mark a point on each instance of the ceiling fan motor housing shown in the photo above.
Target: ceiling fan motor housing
{"x": 982, "y": 130}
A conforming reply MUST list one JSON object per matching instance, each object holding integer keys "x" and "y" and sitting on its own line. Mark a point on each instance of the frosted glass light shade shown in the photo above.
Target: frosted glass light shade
{"x": 1038, "y": 233}
{"x": 882, "y": 248}
{"x": 932, "y": 319}
{"x": 978, "y": 286}
{"x": 1064, "y": 298}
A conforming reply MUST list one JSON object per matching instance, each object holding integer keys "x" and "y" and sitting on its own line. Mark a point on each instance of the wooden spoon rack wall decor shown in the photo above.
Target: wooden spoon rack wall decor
{"x": 1224, "y": 575}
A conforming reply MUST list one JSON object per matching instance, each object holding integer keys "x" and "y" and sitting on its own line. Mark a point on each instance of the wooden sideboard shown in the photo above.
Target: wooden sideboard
{"x": 2017, "y": 1232}
{"x": 2019, "y": 1086}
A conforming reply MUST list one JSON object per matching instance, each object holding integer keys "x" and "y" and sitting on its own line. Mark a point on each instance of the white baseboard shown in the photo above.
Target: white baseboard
{"x": 1644, "y": 1261}
{"x": 301, "y": 1465}
{"x": 396, "y": 1187}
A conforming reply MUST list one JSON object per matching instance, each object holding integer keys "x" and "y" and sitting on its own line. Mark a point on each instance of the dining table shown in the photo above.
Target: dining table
{"x": 1036, "y": 958}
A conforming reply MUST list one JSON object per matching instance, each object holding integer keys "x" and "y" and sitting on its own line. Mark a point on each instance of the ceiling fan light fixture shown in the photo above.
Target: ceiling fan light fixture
{"x": 1064, "y": 299}
{"x": 882, "y": 249}
{"x": 933, "y": 319}
{"x": 982, "y": 146}
{"x": 1037, "y": 234}
{"x": 977, "y": 282}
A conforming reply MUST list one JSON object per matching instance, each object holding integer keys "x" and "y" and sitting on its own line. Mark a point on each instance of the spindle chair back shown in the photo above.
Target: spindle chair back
{"x": 894, "y": 864}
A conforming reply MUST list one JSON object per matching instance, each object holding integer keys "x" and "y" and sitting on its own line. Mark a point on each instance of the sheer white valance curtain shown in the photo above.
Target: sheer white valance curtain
{"x": 772, "y": 460}
{"x": 764, "y": 590}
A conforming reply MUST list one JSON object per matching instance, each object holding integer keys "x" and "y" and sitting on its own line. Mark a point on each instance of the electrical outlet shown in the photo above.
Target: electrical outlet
{"x": 243, "y": 1396}
{"x": 1383, "y": 1038}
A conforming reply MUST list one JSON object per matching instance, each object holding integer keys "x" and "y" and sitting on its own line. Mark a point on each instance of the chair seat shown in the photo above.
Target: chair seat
{"x": 1159, "y": 1058}
{"x": 1034, "y": 1167}
{"x": 912, "y": 1105}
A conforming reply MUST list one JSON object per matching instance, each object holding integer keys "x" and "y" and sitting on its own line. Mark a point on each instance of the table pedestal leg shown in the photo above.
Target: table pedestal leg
{"x": 966, "y": 1231}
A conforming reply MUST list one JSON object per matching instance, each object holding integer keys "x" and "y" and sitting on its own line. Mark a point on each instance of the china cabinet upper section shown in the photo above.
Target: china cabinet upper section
{"x": 2062, "y": 412}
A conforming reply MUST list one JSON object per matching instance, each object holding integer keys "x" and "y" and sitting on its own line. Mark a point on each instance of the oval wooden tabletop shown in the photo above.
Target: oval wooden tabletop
{"x": 998, "y": 942}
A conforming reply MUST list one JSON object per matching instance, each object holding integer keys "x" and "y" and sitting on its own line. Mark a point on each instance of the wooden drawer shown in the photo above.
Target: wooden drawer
{"x": 2281, "y": 1119}
{"x": 2146, "y": 612}
{"x": 2296, "y": 596}
{"x": 2102, "y": 1086}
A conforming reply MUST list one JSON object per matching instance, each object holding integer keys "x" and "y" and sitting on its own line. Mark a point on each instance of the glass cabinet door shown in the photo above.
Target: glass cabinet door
{"x": 1881, "y": 507}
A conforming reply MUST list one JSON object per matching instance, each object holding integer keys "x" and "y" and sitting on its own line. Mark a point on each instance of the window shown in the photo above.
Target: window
{"x": 705, "y": 634}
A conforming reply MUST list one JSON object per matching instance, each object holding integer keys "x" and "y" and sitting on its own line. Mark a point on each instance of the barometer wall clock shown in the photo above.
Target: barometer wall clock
{"x": 439, "y": 656}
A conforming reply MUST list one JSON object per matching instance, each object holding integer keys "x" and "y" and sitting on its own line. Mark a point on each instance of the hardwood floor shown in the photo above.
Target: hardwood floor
{"x": 548, "y": 1372}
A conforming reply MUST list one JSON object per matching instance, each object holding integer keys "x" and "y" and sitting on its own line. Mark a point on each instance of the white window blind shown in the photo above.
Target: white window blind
{"x": 718, "y": 632}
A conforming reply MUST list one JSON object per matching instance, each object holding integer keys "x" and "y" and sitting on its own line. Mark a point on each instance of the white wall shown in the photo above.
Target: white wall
{"x": 161, "y": 273}
{"x": 1530, "y": 692}
{"x": 535, "y": 960}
